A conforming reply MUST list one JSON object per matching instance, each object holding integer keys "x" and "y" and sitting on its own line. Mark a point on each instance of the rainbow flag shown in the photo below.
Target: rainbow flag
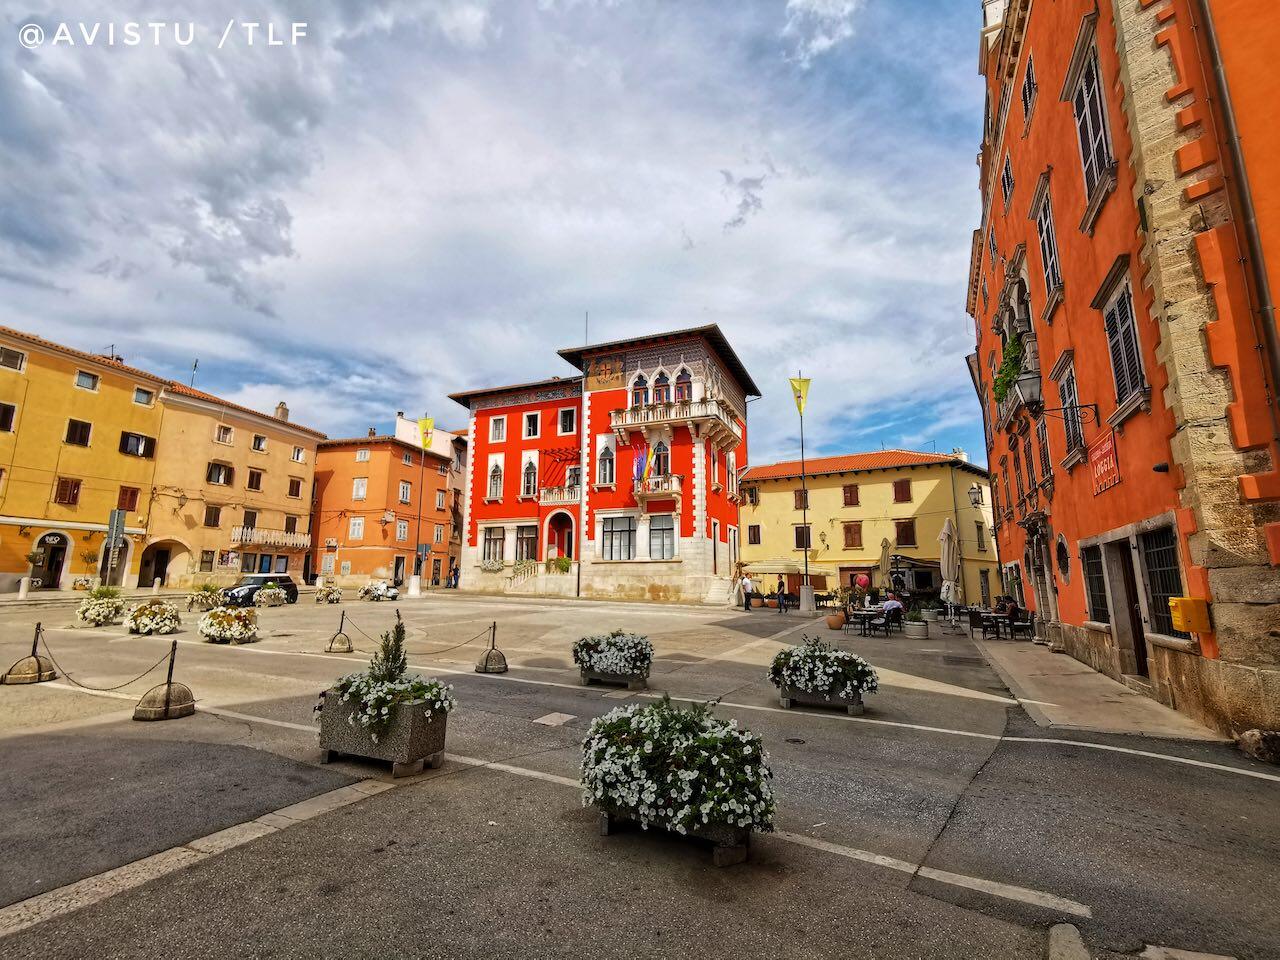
{"x": 639, "y": 446}
{"x": 648, "y": 465}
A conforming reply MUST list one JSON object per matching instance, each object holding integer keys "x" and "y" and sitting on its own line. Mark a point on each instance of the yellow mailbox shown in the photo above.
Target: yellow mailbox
{"x": 1190, "y": 614}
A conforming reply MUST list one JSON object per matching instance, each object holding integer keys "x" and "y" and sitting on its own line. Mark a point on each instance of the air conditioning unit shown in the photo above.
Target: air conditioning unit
{"x": 331, "y": 543}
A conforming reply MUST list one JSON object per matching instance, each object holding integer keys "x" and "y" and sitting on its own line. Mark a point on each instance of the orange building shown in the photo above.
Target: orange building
{"x": 1126, "y": 349}
{"x": 381, "y": 502}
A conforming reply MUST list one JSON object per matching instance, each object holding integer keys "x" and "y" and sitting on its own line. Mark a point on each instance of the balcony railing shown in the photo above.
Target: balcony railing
{"x": 551, "y": 496}
{"x": 715, "y": 414}
{"x": 265, "y": 537}
{"x": 664, "y": 485}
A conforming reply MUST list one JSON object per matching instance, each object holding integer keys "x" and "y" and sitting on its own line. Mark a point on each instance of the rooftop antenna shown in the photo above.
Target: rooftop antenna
{"x": 195, "y": 364}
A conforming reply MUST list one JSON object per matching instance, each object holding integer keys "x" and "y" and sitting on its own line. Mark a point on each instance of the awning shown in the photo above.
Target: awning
{"x": 759, "y": 567}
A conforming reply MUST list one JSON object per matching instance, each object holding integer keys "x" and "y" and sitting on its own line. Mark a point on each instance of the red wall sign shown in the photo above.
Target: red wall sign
{"x": 1103, "y": 463}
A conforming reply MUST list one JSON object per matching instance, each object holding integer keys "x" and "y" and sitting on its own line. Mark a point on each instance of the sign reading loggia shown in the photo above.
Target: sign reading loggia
{"x": 1104, "y": 466}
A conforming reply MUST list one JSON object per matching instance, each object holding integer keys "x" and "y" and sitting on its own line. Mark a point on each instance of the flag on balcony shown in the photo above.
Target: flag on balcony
{"x": 648, "y": 464}
{"x": 639, "y": 447}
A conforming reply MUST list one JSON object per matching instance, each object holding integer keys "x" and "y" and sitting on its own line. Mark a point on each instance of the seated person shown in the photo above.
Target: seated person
{"x": 892, "y": 603}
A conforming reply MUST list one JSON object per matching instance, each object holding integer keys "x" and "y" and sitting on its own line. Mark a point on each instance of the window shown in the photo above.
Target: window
{"x": 529, "y": 480}
{"x": 295, "y": 487}
{"x": 1091, "y": 125}
{"x": 406, "y": 491}
{"x": 66, "y": 492}
{"x": 906, "y": 532}
{"x": 282, "y": 563}
{"x": 212, "y": 515}
{"x": 1122, "y": 341}
{"x": 1006, "y": 181}
{"x": 980, "y": 534}
{"x": 662, "y": 536}
{"x": 640, "y": 392}
{"x": 605, "y": 468}
{"x": 568, "y": 420}
{"x": 439, "y": 499}
{"x": 355, "y": 529}
{"x": 219, "y": 474}
{"x": 851, "y": 495}
{"x": 78, "y": 432}
{"x": 532, "y": 425}
{"x": 259, "y": 443}
{"x": 86, "y": 380}
{"x": 1042, "y": 440}
{"x": 1070, "y": 402}
{"x": 853, "y": 535}
{"x": 618, "y": 538}
{"x": 497, "y": 429}
{"x": 753, "y": 534}
{"x": 494, "y": 544}
{"x": 402, "y": 530}
{"x": 753, "y": 496}
{"x": 250, "y": 519}
{"x": 143, "y": 397}
{"x": 1031, "y": 464}
{"x": 407, "y": 459}
{"x": 801, "y": 499}
{"x": 290, "y": 524}
{"x": 1164, "y": 579}
{"x": 438, "y": 535}
{"x": 495, "y": 482}
{"x": 662, "y": 389}
{"x": 362, "y": 456}
{"x": 1029, "y": 89}
{"x": 359, "y": 488}
{"x": 8, "y": 413}
{"x": 206, "y": 561}
{"x": 1095, "y": 584}
{"x": 223, "y": 433}
{"x": 299, "y": 455}
{"x": 662, "y": 461}
{"x": 127, "y": 499}
{"x": 442, "y": 469}
{"x": 572, "y": 476}
{"x": 12, "y": 359}
{"x": 991, "y": 248}
{"x": 684, "y": 387}
{"x": 248, "y": 562}
{"x": 526, "y": 543}
{"x": 1048, "y": 245}
{"x": 136, "y": 445}
{"x": 255, "y": 480}
{"x": 902, "y": 491}
{"x": 804, "y": 539}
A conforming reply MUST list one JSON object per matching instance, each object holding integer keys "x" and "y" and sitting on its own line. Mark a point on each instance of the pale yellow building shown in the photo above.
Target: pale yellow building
{"x": 858, "y": 501}
{"x": 233, "y": 493}
{"x": 78, "y": 440}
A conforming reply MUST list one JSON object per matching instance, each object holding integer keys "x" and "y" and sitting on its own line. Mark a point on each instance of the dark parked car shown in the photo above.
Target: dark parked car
{"x": 242, "y": 594}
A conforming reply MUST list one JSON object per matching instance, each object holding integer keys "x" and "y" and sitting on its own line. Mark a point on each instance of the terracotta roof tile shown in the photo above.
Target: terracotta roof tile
{"x": 850, "y": 462}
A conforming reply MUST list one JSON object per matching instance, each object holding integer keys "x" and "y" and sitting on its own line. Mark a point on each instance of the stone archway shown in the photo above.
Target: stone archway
{"x": 558, "y": 535}
{"x": 163, "y": 560}
{"x": 51, "y": 560}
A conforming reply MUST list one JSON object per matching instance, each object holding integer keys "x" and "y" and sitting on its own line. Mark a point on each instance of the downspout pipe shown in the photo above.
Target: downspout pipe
{"x": 1248, "y": 212}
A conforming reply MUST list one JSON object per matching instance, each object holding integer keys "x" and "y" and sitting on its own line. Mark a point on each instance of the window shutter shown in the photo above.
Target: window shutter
{"x": 902, "y": 491}
{"x": 800, "y": 500}
{"x": 851, "y": 495}
{"x": 1117, "y": 354}
{"x": 1129, "y": 342}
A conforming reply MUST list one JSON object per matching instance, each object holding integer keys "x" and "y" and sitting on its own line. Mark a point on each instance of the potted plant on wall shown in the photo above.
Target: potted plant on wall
{"x": 382, "y": 714}
{"x": 817, "y": 674}
{"x": 915, "y": 626}
{"x": 682, "y": 770}
{"x": 617, "y": 657}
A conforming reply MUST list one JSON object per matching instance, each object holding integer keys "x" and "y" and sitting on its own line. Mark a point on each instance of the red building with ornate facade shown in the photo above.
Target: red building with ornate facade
{"x": 620, "y": 482}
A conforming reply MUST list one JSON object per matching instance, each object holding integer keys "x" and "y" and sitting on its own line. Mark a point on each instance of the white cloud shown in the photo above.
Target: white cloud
{"x": 818, "y": 26}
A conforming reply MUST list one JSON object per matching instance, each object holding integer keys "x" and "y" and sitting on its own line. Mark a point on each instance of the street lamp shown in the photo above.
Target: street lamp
{"x": 800, "y": 392}
{"x": 975, "y": 495}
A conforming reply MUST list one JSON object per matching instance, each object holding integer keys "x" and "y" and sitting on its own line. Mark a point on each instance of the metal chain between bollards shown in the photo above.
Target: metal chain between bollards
{"x": 84, "y": 686}
{"x": 348, "y": 621}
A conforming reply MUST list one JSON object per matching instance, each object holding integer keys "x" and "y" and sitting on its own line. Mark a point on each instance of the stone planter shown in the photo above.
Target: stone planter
{"x": 835, "y": 621}
{"x": 793, "y": 696}
{"x": 729, "y": 844}
{"x": 917, "y": 631}
{"x": 931, "y": 616}
{"x": 628, "y": 680}
{"x": 270, "y": 603}
{"x": 413, "y": 736}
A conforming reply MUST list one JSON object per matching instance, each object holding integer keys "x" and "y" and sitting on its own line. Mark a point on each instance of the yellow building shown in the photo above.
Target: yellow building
{"x": 233, "y": 493}
{"x": 857, "y": 502}
{"x": 78, "y": 439}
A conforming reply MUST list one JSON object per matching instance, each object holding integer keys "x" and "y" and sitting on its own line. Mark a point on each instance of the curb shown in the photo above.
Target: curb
{"x": 1065, "y": 943}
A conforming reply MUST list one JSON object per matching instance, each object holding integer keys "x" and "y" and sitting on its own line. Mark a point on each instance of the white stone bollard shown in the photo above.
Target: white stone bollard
{"x": 24, "y": 587}
{"x": 415, "y": 586}
{"x": 806, "y": 599}
{"x": 155, "y": 585}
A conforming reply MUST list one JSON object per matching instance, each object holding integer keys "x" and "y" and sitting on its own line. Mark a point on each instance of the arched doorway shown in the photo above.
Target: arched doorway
{"x": 161, "y": 562}
{"x": 49, "y": 561}
{"x": 113, "y": 576}
{"x": 559, "y": 538}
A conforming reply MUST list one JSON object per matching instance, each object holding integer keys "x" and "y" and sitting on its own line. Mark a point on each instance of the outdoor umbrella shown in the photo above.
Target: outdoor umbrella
{"x": 949, "y": 561}
{"x": 885, "y": 563}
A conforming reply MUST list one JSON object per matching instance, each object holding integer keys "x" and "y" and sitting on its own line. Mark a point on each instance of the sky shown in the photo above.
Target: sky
{"x": 416, "y": 198}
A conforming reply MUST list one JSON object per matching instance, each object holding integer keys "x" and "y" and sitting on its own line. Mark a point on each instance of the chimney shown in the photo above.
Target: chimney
{"x": 400, "y": 414}
{"x": 373, "y": 432}
{"x": 282, "y": 411}
{"x": 960, "y": 454}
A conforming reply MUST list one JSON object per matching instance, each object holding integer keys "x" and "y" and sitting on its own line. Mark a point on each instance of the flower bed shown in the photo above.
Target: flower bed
{"x": 679, "y": 769}
{"x": 378, "y": 590}
{"x": 103, "y": 605}
{"x": 329, "y": 595}
{"x": 153, "y": 616}
{"x": 617, "y": 657}
{"x": 205, "y": 597}
{"x": 229, "y": 625}
{"x": 270, "y": 596}
{"x": 815, "y": 672}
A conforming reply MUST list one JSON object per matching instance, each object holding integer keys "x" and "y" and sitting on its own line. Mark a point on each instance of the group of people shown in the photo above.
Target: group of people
{"x": 749, "y": 588}
{"x": 1007, "y": 607}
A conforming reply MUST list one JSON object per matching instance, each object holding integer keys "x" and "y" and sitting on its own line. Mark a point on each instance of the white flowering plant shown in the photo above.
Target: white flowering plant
{"x": 329, "y": 595}
{"x": 205, "y": 597}
{"x": 491, "y": 565}
{"x": 229, "y": 625}
{"x": 270, "y": 596}
{"x": 378, "y": 590}
{"x": 682, "y": 769}
{"x": 626, "y": 654}
{"x": 817, "y": 667}
{"x": 103, "y": 605}
{"x": 153, "y": 616}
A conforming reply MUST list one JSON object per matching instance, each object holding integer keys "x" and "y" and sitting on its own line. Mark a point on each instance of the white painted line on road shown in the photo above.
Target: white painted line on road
{"x": 1206, "y": 764}
{"x": 1170, "y": 953}
{"x": 518, "y": 771}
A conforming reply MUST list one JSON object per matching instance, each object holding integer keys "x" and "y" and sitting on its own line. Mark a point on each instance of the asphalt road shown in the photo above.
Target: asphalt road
{"x": 495, "y": 864}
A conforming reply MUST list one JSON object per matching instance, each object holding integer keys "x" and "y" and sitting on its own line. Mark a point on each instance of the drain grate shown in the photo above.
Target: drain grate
{"x": 794, "y": 740}
{"x": 964, "y": 661}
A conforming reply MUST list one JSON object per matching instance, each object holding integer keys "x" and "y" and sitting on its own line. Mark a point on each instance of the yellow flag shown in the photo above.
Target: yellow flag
{"x": 800, "y": 390}
{"x": 426, "y": 428}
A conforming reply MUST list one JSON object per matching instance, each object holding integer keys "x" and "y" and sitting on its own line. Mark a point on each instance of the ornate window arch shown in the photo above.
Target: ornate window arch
{"x": 684, "y": 385}
{"x": 606, "y": 466}
{"x": 529, "y": 480}
{"x": 661, "y": 388}
{"x": 495, "y": 481}
{"x": 639, "y": 390}
{"x": 661, "y": 459}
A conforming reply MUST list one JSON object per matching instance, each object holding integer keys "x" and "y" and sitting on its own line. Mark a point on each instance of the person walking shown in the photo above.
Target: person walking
{"x": 746, "y": 593}
{"x": 782, "y": 595}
